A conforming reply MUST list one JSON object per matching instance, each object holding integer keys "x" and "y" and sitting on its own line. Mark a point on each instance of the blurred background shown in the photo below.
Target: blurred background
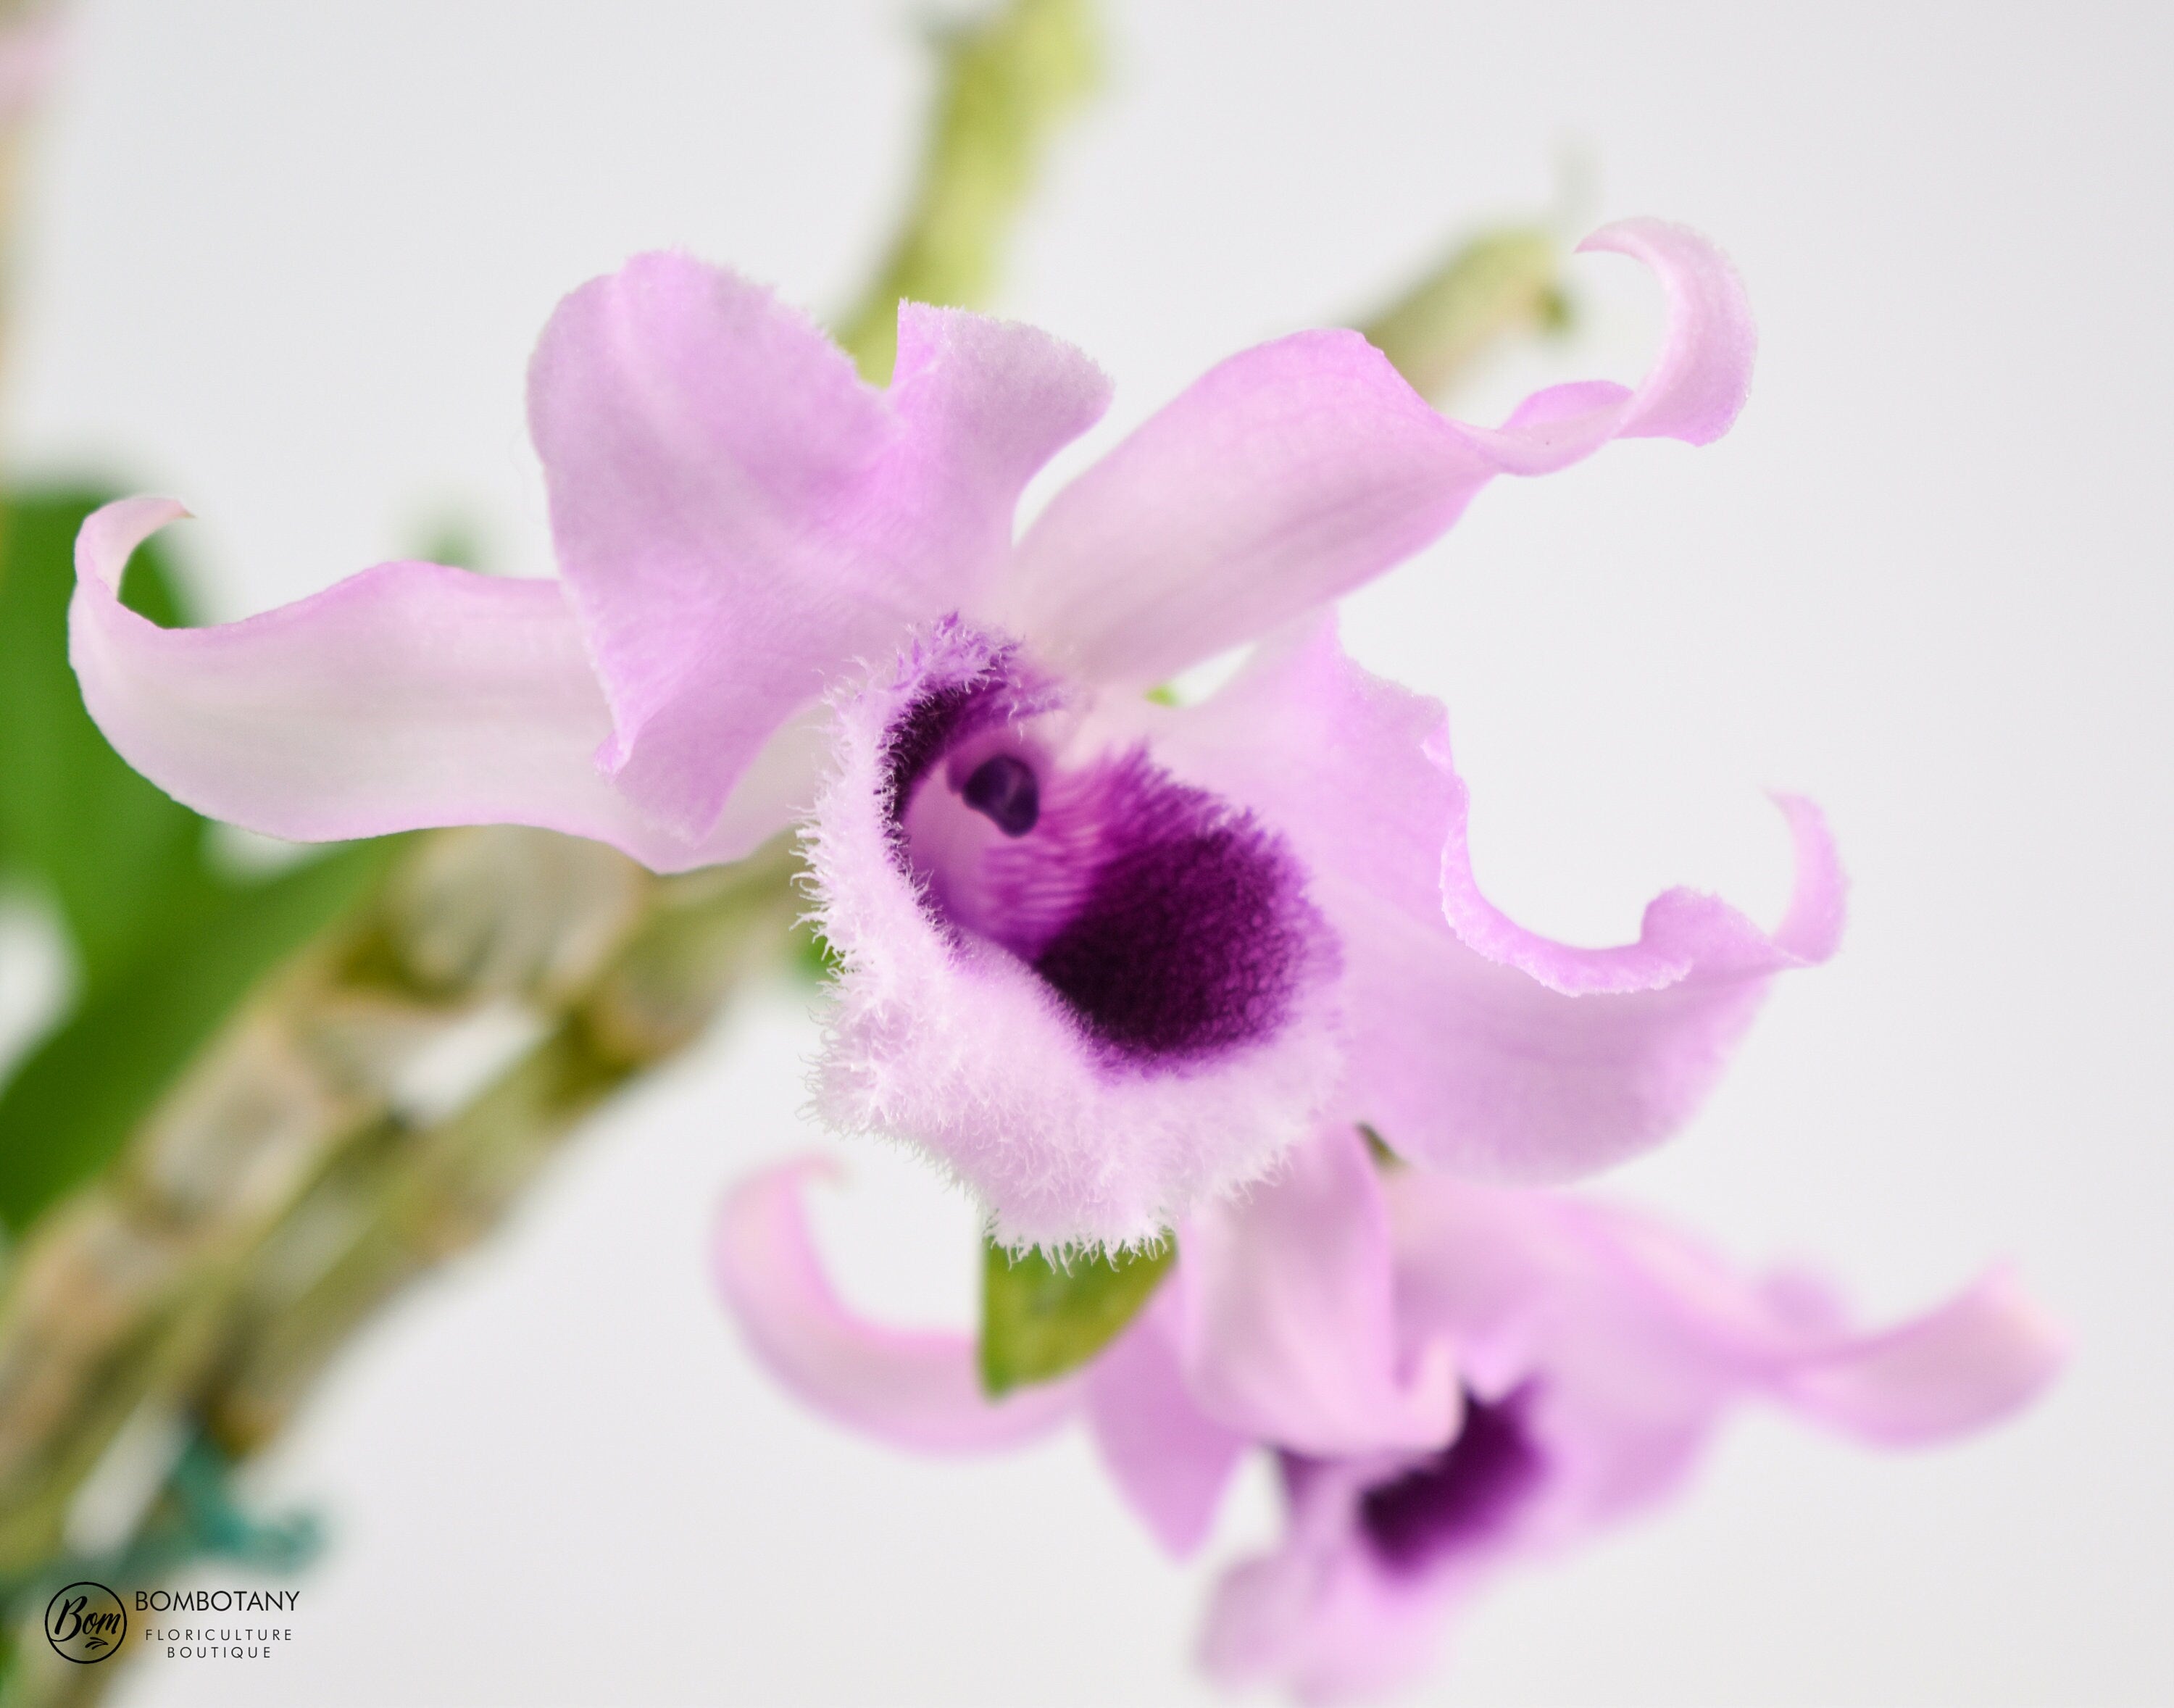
{"x": 286, "y": 263}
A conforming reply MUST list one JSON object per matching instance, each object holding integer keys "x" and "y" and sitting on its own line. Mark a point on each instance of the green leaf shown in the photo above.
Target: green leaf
{"x": 71, "y": 1107}
{"x": 118, "y": 856}
{"x": 1040, "y": 1319}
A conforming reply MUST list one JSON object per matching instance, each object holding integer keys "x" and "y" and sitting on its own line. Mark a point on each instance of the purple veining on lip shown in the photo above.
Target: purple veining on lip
{"x": 1192, "y": 933}
{"x": 1460, "y": 1495}
{"x": 1171, "y": 925}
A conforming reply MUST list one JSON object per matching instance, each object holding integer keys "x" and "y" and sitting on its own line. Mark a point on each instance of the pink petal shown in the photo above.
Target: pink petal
{"x": 1296, "y": 471}
{"x": 1288, "y": 1328}
{"x": 1639, "y": 1336}
{"x": 1478, "y": 1046}
{"x": 1318, "y": 1615}
{"x": 411, "y": 695}
{"x": 1167, "y": 1458}
{"x": 1698, "y": 384}
{"x": 1981, "y": 1356}
{"x": 738, "y": 517}
{"x": 916, "y": 1389}
{"x": 1625, "y": 1342}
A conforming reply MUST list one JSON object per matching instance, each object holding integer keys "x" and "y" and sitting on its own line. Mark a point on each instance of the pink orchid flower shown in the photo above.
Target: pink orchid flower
{"x": 1453, "y": 1378}
{"x": 1103, "y": 959}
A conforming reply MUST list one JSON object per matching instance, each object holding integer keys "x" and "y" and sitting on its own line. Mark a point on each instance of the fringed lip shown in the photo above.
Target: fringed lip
{"x": 1096, "y": 995}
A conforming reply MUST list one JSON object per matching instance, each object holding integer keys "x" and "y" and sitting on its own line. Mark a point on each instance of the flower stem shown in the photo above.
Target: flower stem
{"x": 1005, "y": 83}
{"x": 327, "y": 1151}
{"x": 1496, "y": 287}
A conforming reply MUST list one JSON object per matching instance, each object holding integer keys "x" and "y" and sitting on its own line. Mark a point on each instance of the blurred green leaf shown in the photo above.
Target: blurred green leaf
{"x": 167, "y": 942}
{"x": 1039, "y": 1320}
{"x": 70, "y": 1107}
{"x": 1005, "y": 83}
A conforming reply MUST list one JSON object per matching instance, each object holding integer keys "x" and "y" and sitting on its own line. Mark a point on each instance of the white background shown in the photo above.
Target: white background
{"x": 286, "y": 262}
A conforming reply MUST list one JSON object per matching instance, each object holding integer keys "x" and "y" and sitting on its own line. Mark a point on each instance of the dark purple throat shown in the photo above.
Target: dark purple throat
{"x": 1171, "y": 924}
{"x": 1004, "y": 790}
{"x": 1193, "y": 934}
{"x": 1462, "y": 1495}
{"x": 932, "y": 725}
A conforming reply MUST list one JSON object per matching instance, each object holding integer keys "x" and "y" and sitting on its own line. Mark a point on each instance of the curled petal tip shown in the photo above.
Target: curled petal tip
{"x": 1979, "y": 1358}
{"x": 1697, "y": 386}
{"x": 1811, "y": 931}
{"x": 914, "y": 1388}
{"x": 114, "y": 530}
{"x": 410, "y": 695}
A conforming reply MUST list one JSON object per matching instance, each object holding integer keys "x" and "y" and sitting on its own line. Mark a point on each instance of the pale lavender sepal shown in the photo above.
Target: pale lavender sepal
{"x": 409, "y": 695}
{"x": 738, "y": 517}
{"x": 1287, "y": 1324}
{"x": 1169, "y": 1459}
{"x": 1476, "y": 1045}
{"x": 1296, "y": 471}
{"x": 1984, "y": 1355}
{"x": 917, "y": 1389}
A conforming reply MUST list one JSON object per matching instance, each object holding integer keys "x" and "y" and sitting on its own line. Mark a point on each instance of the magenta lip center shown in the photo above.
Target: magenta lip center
{"x": 1462, "y": 1495}
{"x": 1172, "y": 927}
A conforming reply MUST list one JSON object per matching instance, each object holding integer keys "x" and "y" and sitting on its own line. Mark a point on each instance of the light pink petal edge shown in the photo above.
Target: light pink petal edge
{"x": 1686, "y": 935}
{"x": 1297, "y": 470}
{"x": 1984, "y": 1355}
{"x": 1478, "y": 1046}
{"x": 1287, "y": 1321}
{"x": 1471, "y": 1260}
{"x": 1170, "y": 1460}
{"x": 916, "y": 1389}
{"x": 409, "y": 695}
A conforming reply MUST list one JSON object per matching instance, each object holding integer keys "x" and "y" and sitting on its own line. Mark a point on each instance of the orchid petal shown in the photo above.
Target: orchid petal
{"x": 915, "y": 1389}
{"x": 1288, "y": 1325}
{"x": 1319, "y": 1614}
{"x": 409, "y": 695}
{"x": 1613, "y": 1345}
{"x": 1983, "y": 1355}
{"x": 1645, "y": 1333}
{"x": 738, "y": 517}
{"x": 1478, "y": 1046}
{"x": 1298, "y": 469}
{"x": 1168, "y": 1458}
{"x": 1698, "y": 383}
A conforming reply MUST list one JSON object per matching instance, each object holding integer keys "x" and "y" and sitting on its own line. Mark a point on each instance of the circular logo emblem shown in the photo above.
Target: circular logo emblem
{"x": 85, "y": 1622}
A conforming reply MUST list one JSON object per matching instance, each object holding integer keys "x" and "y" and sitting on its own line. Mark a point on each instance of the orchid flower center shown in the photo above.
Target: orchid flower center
{"x": 1004, "y": 790}
{"x": 1169, "y": 923}
{"x": 1460, "y": 1495}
